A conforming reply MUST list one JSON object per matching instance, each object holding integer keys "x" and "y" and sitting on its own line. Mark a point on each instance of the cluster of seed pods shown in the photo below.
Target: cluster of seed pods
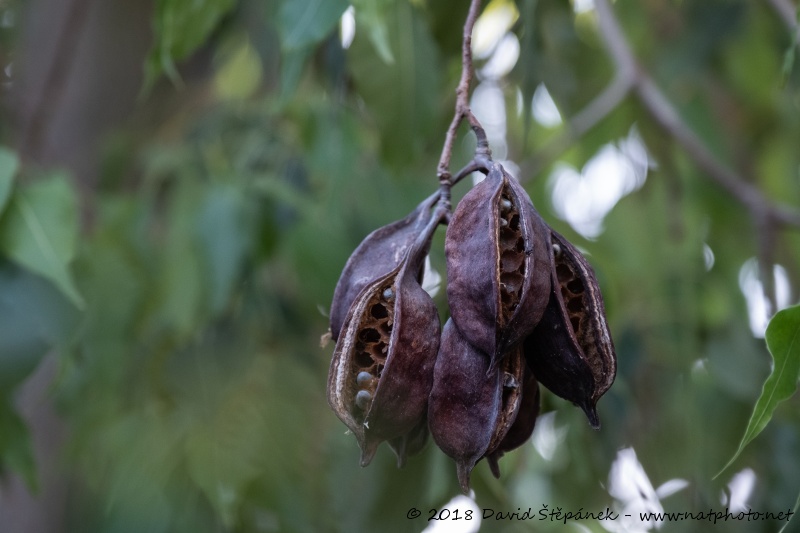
{"x": 525, "y": 308}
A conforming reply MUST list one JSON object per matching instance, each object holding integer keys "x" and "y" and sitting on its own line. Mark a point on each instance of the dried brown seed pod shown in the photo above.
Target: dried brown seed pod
{"x": 464, "y": 401}
{"x": 411, "y": 443}
{"x": 472, "y": 405}
{"x": 522, "y": 429}
{"x": 497, "y": 252}
{"x": 512, "y": 375}
{"x": 378, "y": 254}
{"x": 382, "y": 368}
{"x": 571, "y": 351}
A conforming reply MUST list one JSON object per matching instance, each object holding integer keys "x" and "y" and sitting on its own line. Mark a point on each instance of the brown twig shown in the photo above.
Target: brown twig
{"x": 56, "y": 78}
{"x": 462, "y": 110}
{"x": 662, "y": 110}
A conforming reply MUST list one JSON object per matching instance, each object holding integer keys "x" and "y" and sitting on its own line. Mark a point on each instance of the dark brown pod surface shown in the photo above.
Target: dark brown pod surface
{"x": 495, "y": 244}
{"x": 465, "y": 402}
{"x": 524, "y": 423}
{"x": 512, "y": 373}
{"x": 382, "y": 368}
{"x": 378, "y": 254}
{"x": 571, "y": 351}
{"x": 411, "y": 443}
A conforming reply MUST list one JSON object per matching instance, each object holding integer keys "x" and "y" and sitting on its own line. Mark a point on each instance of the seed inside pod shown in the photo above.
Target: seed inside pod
{"x": 363, "y": 399}
{"x": 382, "y": 368}
{"x": 364, "y": 379}
{"x": 571, "y": 351}
{"x": 522, "y": 428}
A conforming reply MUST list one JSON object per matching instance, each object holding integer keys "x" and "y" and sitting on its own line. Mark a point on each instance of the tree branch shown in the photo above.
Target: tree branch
{"x": 583, "y": 121}
{"x": 55, "y": 79}
{"x": 662, "y": 110}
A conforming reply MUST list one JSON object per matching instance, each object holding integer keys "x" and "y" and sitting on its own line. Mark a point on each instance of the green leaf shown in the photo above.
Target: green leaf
{"x": 788, "y": 56}
{"x": 15, "y": 445}
{"x": 374, "y": 15}
{"x": 35, "y": 317}
{"x": 40, "y": 229}
{"x": 303, "y": 23}
{"x": 181, "y": 283}
{"x": 292, "y": 64}
{"x": 181, "y": 26}
{"x": 225, "y": 233}
{"x": 783, "y": 342}
{"x": 403, "y": 98}
{"x": 8, "y": 168}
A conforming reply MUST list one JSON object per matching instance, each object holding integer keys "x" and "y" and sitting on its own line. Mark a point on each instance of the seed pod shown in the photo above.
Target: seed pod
{"x": 378, "y": 254}
{"x": 522, "y": 429}
{"x": 382, "y": 368}
{"x": 571, "y": 351}
{"x": 512, "y": 375}
{"x": 411, "y": 443}
{"x": 464, "y": 401}
{"x": 496, "y": 250}
{"x": 472, "y": 406}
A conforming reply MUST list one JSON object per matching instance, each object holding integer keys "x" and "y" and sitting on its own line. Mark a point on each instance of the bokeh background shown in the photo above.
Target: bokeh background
{"x": 182, "y": 182}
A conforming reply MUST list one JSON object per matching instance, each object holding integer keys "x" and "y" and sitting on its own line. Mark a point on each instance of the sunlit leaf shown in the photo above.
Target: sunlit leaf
{"x": 40, "y": 231}
{"x": 8, "y": 168}
{"x": 783, "y": 342}
{"x": 240, "y": 73}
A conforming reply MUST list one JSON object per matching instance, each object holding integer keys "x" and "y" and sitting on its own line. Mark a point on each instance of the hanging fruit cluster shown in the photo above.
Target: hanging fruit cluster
{"x": 525, "y": 308}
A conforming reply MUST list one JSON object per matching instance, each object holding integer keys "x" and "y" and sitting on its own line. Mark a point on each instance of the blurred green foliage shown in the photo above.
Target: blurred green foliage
{"x": 187, "y": 316}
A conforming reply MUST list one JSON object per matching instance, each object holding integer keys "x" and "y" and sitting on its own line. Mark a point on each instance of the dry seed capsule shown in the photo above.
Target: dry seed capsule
{"x": 377, "y": 255}
{"x": 497, "y": 264}
{"x": 411, "y": 443}
{"x": 472, "y": 406}
{"x": 465, "y": 401}
{"x": 571, "y": 351}
{"x": 522, "y": 429}
{"x": 512, "y": 374}
{"x": 395, "y": 340}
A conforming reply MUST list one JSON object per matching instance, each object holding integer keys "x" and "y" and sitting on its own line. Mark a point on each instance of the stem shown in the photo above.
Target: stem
{"x": 53, "y": 91}
{"x": 665, "y": 114}
{"x": 462, "y": 111}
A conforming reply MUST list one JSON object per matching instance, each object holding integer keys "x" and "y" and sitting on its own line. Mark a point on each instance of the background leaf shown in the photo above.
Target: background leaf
{"x": 403, "y": 96}
{"x": 181, "y": 26}
{"x": 15, "y": 447}
{"x": 8, "y": 169}
{"x": 302, "y": 23}
{"x": 783, "y": 342}
{"x": 40, "y": 231}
